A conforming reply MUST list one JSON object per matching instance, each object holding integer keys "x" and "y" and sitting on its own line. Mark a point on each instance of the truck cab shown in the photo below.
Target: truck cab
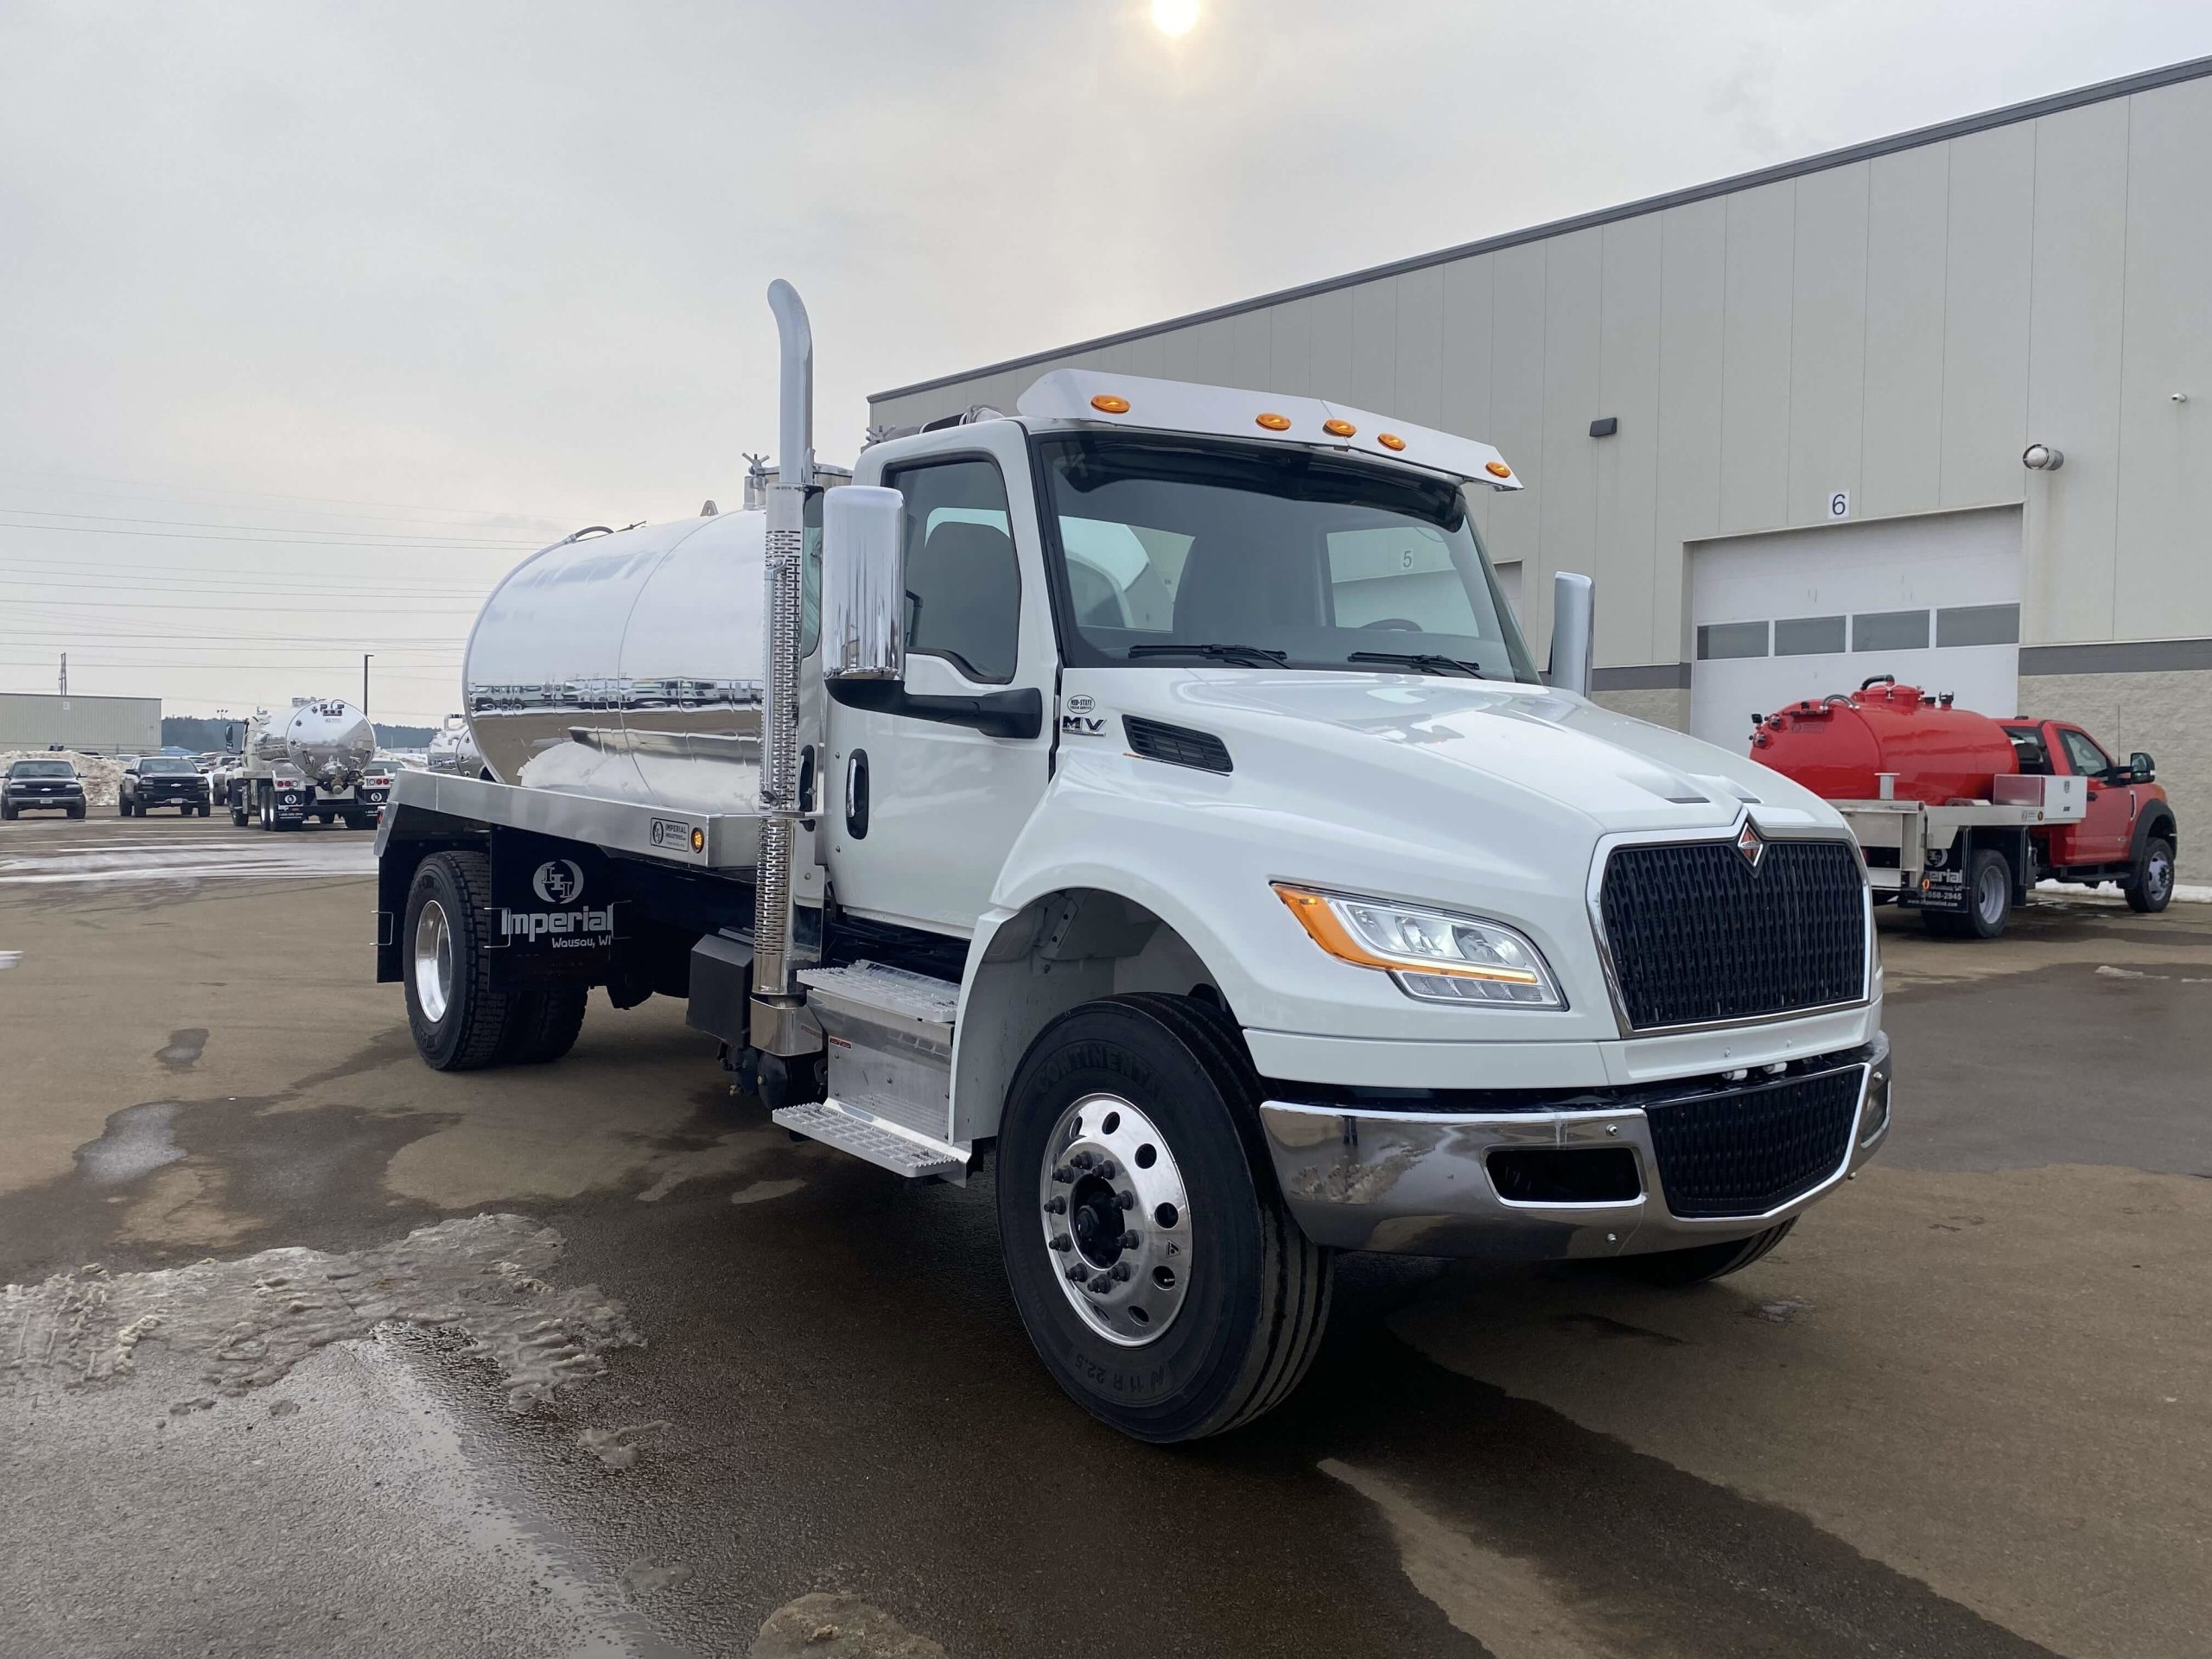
{"x": 2127, "y": 831}
{"x": 1150, "y": 790}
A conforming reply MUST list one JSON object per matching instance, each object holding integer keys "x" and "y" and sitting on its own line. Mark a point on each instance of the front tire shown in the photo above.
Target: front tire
{"x": 1200, "y": 1314}
{"x": 1700, "y": 1263}
{"x": 459, "y": 1018}
{"x": 2150, "y": 889}
{"x": 122, "y": 807}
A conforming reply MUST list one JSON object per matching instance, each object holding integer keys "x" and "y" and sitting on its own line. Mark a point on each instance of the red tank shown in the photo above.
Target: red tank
{"x": 1837, "y": 747}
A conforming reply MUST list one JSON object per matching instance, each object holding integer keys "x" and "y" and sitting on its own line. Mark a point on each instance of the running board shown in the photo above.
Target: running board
{"x": 851, "y": 1126}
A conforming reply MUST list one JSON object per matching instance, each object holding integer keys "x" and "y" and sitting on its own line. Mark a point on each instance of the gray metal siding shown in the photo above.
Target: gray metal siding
{"x": 1895, "y": 322}
{"x": 31, "y": 719}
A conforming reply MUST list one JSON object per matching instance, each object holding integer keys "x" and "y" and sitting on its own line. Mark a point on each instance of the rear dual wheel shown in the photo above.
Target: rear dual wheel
{"x": 1159, "y": 1273}
{"x": 1989, "y": 900}
{"x": 461, "y": 1018}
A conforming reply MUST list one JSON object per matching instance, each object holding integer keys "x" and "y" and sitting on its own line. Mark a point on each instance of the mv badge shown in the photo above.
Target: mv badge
{"x": 1079, "y": 720}
{"x": 567, "y": 925}
{"x": 1751, "y": 844}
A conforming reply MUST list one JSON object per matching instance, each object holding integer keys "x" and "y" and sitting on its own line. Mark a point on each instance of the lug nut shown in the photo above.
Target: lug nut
{"x": 1062, "y": 1242}
{"x": 1056, "y": 1205}
{"x": 1063, "y": 1175}
{"x": 1121, "y": 1271}
{"x": 1100, "y": 1284}
{"x": 1105, "y": 1169}
{"x": 1081, "y": 1160}
{"x": 1076, "y": 1272}
{"x": 1129, "y": 1240}
{"x": 1127, "y": 1200}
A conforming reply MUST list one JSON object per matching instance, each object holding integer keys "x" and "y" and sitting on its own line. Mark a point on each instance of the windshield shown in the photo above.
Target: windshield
{"x": 165, "y": 768}
{"x": 41, "y": 769}
{"x": 1172, "y": 552}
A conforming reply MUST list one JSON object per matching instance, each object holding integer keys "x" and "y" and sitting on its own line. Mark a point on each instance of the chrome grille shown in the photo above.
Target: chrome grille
{"x": 1697, "y": 933}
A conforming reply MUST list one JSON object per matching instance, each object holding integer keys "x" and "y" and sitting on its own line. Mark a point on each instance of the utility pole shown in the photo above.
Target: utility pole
{"x": 364, "y": 680}
{"x": 65, "y": 673}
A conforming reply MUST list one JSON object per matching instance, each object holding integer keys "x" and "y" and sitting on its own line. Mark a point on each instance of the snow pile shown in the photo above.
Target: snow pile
{"x": 2184, "y": 894}
{"x": 101, "y": 773}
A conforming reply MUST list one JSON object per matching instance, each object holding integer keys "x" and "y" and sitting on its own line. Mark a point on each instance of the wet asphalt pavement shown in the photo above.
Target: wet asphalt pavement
{"x": 313, "y": 1350}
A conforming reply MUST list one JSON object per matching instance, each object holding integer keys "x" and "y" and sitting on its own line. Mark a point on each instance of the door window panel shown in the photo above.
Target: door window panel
{"x": 1808, "y": 636}
{"x": 2085, "y": 757}
{"x": 964, "y": 587}
{"x": 1889, "y": 631}
{"x": 1716, "y": 640}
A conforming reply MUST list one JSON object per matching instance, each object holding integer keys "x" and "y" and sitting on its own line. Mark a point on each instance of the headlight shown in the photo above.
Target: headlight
{"x": 1433, "y": 955}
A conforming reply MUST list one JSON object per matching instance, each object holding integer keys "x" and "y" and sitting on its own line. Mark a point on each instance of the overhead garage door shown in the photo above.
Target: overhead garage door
{"x": 1934, "y": 601}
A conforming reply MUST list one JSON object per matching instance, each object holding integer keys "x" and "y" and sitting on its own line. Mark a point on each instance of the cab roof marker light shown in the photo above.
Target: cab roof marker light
{"x": 1274, "y": 422}
{"x": 1107, "y": 403}
{"x": 1390, "y": 441}
{"x": 1336, "y": 427}
{"x": 1498, "y": 469}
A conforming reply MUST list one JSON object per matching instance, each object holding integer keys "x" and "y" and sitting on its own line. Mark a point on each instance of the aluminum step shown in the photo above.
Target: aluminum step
{"x": 857, "y": 1126}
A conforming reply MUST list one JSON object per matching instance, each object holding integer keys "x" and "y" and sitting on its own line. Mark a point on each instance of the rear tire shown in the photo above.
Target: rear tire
{"x": 459, "y": 1018}
{"x": 543, "y": 1022}
{"x": 2150, "y": 889}
{"x": 1989, "y": 900}
{"x": 8, "y": 813}
{"x": 1240, "y": 1314}
{"x": 1700, "y": 1263}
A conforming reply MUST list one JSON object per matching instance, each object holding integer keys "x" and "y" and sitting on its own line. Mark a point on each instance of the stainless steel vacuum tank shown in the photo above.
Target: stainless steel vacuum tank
{"x": 327, "y": 739}
{"x": 629, "y": 666}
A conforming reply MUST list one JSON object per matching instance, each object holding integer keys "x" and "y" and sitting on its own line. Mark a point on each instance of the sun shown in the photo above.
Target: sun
{"x": 1174, "y": 16}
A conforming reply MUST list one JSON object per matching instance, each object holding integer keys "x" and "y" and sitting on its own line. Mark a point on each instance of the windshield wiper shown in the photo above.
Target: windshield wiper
{"x": 1245, "y": 654}
{"x": 1428, "y": 662}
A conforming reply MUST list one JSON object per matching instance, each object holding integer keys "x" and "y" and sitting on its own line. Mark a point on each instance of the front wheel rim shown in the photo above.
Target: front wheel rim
{"x": 1117, "y": 1219}
{"x": 432, "y": 961}
{"x": 2159, "y": 880}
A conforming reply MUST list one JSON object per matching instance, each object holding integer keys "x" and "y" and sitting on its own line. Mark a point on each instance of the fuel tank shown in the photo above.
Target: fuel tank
{"x": 1839, "y": 747}
{"x": 629, "y": 666}
{"x": 327, "y": 739}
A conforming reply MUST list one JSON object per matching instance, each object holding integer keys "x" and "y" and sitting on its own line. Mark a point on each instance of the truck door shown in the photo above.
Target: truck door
{"x": 2108, "y": 827}
{"x": 919, "y": 813}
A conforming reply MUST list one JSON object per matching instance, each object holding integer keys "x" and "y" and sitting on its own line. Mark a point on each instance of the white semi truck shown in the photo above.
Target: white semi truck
{"x": 1149, "y": 791}
{"x": 314, "y": 761}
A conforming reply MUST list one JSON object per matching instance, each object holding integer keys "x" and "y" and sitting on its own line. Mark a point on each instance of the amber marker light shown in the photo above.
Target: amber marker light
{"x": 1498, "y": 469}
{"x": 1275, "y": 423}
{"x": 698, "y": 841}
{"x": 1107, "y": 403}
{"x": 1339, "y": 428}
{"x": 1389, "y": 440}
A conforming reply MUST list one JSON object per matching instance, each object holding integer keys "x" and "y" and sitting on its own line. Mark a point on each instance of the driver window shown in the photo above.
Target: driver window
{"x": 963, "y": 588}
{"x": 2087, "y": 758}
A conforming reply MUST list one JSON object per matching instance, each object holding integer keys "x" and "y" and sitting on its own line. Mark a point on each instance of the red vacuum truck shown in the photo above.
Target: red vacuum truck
{"x": 1959, "y": 814}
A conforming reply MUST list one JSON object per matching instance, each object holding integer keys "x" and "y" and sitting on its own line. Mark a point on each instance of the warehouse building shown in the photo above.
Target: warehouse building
{"x": 37, "y": 720}
{"x": 1938, "y": 406}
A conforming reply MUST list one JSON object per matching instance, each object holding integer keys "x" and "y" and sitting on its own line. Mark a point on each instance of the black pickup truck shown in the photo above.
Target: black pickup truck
{"x": 41, "y": 786}
{"x": 162, "y": 781}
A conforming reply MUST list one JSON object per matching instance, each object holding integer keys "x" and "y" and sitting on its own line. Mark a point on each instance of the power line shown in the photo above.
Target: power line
{"x": 164, "y": 604}
{"x": 268, "y": 495}
{"x": 202, "y": 524}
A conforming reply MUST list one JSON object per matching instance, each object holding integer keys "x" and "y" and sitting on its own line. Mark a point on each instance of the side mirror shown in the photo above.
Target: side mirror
{"x": 1574, "y": 619}
{"x": 863, "y": 584}
{"x": 2144, "y": 770}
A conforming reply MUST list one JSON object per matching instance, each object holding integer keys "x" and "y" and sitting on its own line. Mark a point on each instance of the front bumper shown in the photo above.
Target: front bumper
{"x": 43, "y": 801}
{"x": 1403, "y": 1178}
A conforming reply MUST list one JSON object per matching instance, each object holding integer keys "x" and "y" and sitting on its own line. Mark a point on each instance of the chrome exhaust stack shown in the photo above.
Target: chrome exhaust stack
{"x": 778, "y": 1024}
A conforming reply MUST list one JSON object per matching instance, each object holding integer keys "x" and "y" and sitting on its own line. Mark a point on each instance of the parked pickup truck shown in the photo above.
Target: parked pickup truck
{"x": 1149, "y": 790}
{"x": 162, "y": 781}
{"x": 41, "y": 786}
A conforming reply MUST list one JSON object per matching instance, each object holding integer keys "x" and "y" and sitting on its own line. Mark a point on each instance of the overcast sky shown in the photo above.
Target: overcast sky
{"x": 314, "y": 318}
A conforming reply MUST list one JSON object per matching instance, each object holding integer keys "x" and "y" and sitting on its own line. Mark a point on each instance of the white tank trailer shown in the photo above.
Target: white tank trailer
{"x": 315, "y": 760}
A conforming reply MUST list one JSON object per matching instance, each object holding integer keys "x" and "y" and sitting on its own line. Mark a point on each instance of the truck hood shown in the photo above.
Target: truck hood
{"x": 1393, "y": 740}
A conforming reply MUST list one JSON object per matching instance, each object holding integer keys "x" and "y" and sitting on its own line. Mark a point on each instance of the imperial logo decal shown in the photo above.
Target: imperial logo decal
{"x": 1751, "y": 844}
{"x": 558, "y": 881}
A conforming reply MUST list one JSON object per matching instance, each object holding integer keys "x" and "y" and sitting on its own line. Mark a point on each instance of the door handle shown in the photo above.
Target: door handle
{"x": 857, "y": 795}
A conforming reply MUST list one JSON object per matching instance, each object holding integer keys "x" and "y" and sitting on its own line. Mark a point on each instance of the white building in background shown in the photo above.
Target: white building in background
{"x": 33, "y": 719}
{"x": 1785, "y": 419}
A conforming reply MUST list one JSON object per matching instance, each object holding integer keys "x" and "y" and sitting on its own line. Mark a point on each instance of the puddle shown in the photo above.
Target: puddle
{"x": 618, "y": 1447}
{"x": 183, "y": 1051}
{"x": 139, "y": 1140}
{"x": 248, "y": 1322}
{"x": 838, "y": 1627}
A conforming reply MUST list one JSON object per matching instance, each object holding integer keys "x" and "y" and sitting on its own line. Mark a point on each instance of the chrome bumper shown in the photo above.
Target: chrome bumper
{"x": 1419, "y": 1183}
